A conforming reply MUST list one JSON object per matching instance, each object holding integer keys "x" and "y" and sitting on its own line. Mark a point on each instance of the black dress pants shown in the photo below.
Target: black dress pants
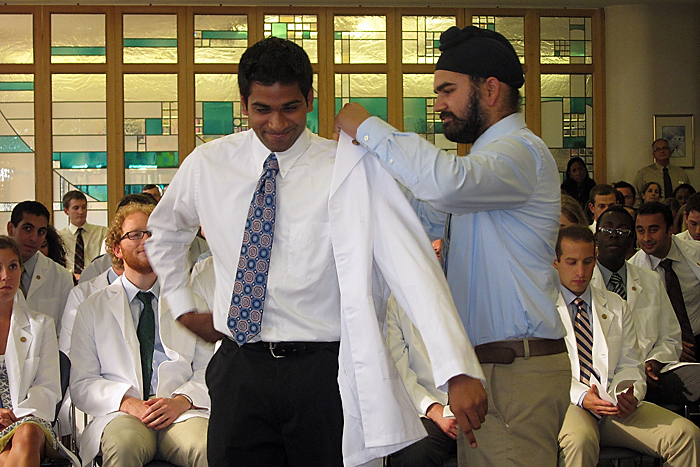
{"x": 269, "y": 412}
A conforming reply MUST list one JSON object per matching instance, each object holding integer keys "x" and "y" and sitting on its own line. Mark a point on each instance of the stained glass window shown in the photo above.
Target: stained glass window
{"x": 300, "y": 29}
{"x": 79, "y": 135}
{"x": 217, "y": 107}
{"x": 16, "y": 39}
{"x": 366, "y": 89}
{"x": 418, "y": 114}
{"x": 77, "y": 38}
{"x": 220, "y": 38}
{"x": 16, "y": 142}
{"x": 150, "y": 39}
{"x": 420, "y": 37}
{"x": 512, "y": 28}
{"x": 565, "y": 40}
{"x": 150, "y": 130}
{"x": 360, "y": 39}
{"x": 567, "y": 117}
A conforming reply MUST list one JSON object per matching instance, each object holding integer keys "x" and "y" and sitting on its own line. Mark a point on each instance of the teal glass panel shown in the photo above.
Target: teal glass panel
{"x": 81, "y": 160}
{"x": 70, "y": 51}
{"x": 150, "y": 42}
{"x": 99, "y": 192}
{"x": 220, "y": 38}
{"x": 154, "y": 126}
{"x": 217, "y": 118}
{"x": 13, "y": 144}
{"x": 279, "y": 30}
{"x": 414, "y": 118}
{"x": 234, "y": 35}
{"x": 312, "y": 120}
{"x": 151, "y": 159}
{"x": 16, "y": 86}
{"x": 337, "y": 35}
{"x": 577, "y": 142}
{"x": 578, "y": 48}
{"x": 578, "y": 105}
{"x": 376, "y": 106}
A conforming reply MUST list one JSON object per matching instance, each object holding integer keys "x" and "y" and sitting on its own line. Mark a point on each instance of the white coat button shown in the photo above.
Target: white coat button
{"x": 366, "y": 138}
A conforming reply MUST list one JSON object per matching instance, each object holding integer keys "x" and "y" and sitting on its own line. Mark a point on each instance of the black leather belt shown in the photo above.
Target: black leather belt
{"x": 290, "y": 349}
{"x": 505, "y": 352}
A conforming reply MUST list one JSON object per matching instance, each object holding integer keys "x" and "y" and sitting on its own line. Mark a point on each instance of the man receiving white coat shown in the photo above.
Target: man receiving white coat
{"x": 139, "y": 373}
{"x": 608, "y": 381}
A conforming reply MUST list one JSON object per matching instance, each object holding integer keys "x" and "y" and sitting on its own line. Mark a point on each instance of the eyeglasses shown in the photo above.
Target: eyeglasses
{"x": 664, "y": 148}
{"x": 609, "y": 231}
{"x": 136, "y": 235}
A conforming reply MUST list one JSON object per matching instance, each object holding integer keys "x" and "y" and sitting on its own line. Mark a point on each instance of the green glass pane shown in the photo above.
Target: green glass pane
{"x": 224, "y": 34}
{"x": 16, "y": 86}
{"x": 306, "y": 34}
{"x": 150, "y": 42}
{"x": 150, "y": 159}
{"x": 376, "y": 106}
{"x": 578, "y": 48}
{"x": 150, "y": 38}
{"x": 414, "y": 119}
{"x": 578, "y": 105}
{"x": 217, "y": 118}
{"x": 279, "y": 30}
{"x": 337, "y": 35}
{"x": 421, "y": 37}
{"x": 99, "y": 192}
{"x": 575, "y": 142}
{"x": 82, "y": 160}
{"x": 154, "y": 126}
{"x": 74, "y": 51}
{"x": 312, "y": 120}
{"x": 13, "y": 144}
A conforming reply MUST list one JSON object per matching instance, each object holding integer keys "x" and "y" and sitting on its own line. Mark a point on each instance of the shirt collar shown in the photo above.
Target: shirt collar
{"x": 287, "y": 158}
{"x": 507, "y": 125}
{"x": 131, "y": 290}
{"x": 608, "y": 273}
{"x": 674, "y": 254}
{"x": 569, "y": 296}
{"x": 74, "y": 228}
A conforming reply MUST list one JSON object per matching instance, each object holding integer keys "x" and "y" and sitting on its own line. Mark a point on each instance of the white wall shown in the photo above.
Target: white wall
{"x": 652, "y": 67}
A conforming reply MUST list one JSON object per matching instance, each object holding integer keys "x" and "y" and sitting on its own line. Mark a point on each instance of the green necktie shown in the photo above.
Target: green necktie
{"x": 146, "y": 332}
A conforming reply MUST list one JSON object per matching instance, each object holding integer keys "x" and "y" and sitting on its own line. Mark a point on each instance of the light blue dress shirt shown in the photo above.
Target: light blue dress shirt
{"x": 607, "y": 274}
{"x": 505, "y": 205}
{"x": 136, "y": 306}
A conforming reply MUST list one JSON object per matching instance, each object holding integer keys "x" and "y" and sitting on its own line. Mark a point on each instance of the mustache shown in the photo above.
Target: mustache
{"x": 445, "y": 114}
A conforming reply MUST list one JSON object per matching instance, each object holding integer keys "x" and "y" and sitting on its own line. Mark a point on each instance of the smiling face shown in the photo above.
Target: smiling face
{"x": 133, "y": 252}
{"x": 653, "y": 235}
{"x": 576, "y": 264}
{"x": 277, "y": 114}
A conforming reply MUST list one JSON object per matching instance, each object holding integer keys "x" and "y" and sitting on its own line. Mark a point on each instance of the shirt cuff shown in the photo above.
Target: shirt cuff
{"x": 180, "y": 302}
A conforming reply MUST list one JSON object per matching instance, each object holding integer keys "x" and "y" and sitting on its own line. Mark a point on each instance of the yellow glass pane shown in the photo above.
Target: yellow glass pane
{"x": 78, "y": 38}
{"x": 150, "y": 39}
{"x": 218, "y": 109}
{"x": 220, "y": 38}
{"x": 420, "y": 37}
{"x": 511, "y": 27}
{"x": 566, "y": 40}
{"x": 360, "y": 39}
{"x": 16, "y": 39}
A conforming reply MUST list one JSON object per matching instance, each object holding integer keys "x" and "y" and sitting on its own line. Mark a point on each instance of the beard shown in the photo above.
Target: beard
{"x": 137, "y": 263}
{"x": 466, "y": 130}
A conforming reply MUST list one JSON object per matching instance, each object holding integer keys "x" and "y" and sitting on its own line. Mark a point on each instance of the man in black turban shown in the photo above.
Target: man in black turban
{"x": 497, "y": 210}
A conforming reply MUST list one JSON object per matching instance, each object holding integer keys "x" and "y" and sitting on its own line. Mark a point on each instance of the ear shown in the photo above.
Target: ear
{"x": 118, "y": 251}
{"x": 491, "y": 90}
{"x": 556, "y": 264}
{"x": 10, "y": 228}
{"x": 310, "y": 100}
{"x": 244, "y": 106}
{"x": 591, "y": 206}
{"x": 65, "y": 211}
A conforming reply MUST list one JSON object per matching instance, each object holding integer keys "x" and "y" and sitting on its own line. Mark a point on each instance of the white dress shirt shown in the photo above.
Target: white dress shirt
{"x": 93, "y": 236}
{"x": 302, "y": 301}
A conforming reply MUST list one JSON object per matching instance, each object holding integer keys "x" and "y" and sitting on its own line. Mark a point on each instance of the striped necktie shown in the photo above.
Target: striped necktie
{"x": 584, "y": 345}
{"x": 79, "y": 260}
{"x": 615, "y": 284}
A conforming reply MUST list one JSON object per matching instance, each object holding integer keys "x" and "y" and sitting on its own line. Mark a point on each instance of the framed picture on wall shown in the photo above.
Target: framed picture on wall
{"x": 678, "y": 130}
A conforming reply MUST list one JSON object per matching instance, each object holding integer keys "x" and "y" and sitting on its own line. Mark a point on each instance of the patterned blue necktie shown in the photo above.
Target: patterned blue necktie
{"x": 245, "y": 313}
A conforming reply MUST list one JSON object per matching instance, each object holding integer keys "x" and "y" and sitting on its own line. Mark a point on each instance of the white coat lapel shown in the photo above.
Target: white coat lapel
{"x": 18, "y": 346}
{"x": 119, "y": 307}
{"x": 40, "y": 275}
{"x": 634, "y": 287}
{"x": 570, "y": 337}
{"x": 602, "y": 319}
{"x": 691, "y": 254}
{"x": 347, "y": 156}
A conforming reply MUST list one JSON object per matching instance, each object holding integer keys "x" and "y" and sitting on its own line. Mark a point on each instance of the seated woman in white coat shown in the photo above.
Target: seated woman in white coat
{"x": 29, "y": 370}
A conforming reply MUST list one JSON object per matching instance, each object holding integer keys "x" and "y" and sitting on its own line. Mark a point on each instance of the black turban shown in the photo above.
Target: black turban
{"x": 480, "y": 52}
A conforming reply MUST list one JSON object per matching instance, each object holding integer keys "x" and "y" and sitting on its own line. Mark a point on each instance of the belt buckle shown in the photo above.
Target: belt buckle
{"x": 273, "y": 346}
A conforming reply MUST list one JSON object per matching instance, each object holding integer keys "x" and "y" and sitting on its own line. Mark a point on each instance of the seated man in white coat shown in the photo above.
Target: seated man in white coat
{"x": 658, "y": 331}
{"x": 136, "y": 370}
{"x": 608, "y": 380}
{"x": 408, "y": 351}
{"x": 45, "y": 284}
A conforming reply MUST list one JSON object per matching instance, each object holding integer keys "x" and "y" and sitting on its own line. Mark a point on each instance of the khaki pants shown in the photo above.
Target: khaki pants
{"x": 650, "y": 429}
{"x": 527, "y": 404}
{"x": 126, "y": 442}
